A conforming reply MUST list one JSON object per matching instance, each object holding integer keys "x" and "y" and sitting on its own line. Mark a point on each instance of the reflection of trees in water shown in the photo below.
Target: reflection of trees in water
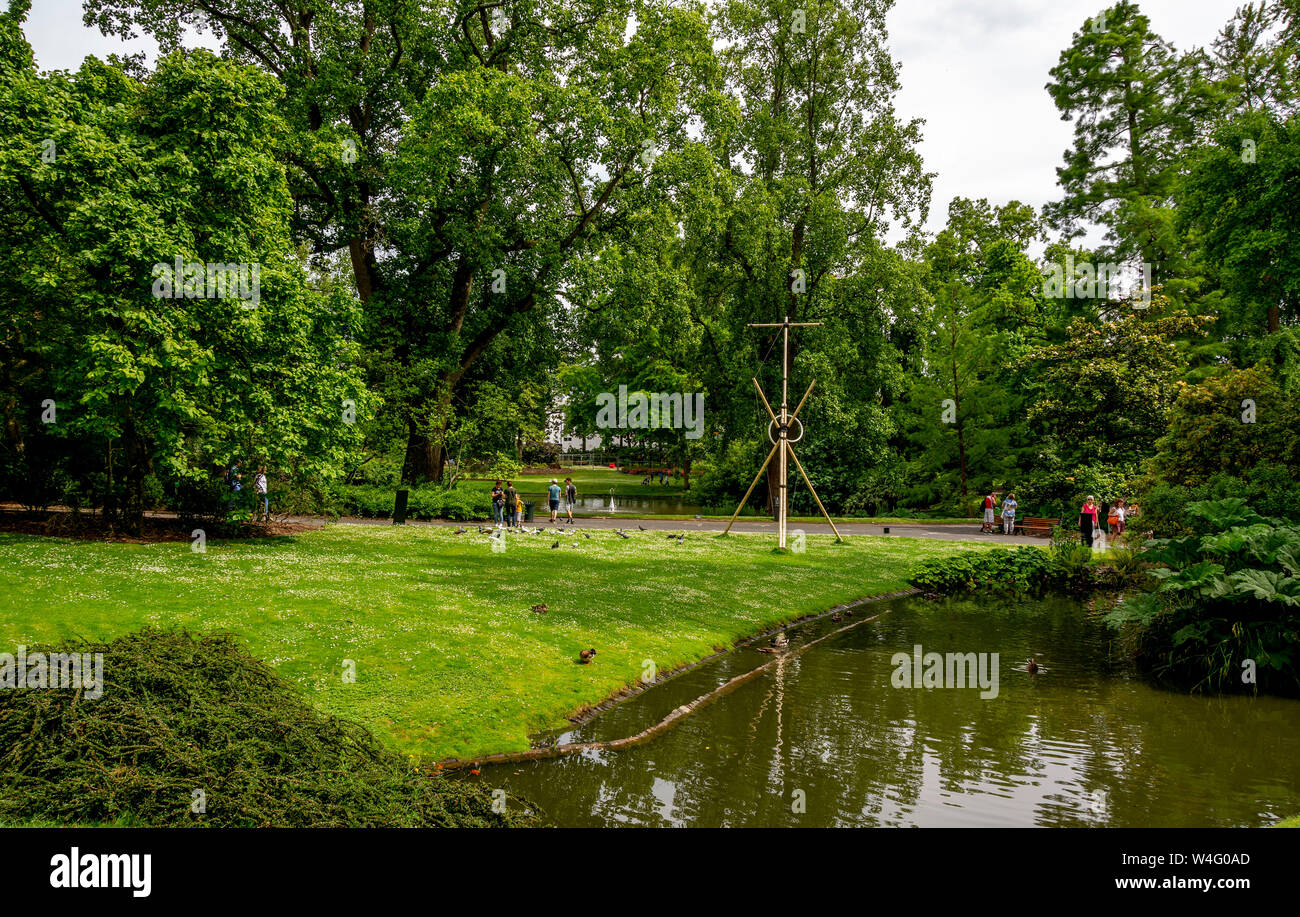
{"x": 1063, "y": 748}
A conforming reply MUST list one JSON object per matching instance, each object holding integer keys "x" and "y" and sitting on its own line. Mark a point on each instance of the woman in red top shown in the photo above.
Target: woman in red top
{"x": 1088, "y": 520}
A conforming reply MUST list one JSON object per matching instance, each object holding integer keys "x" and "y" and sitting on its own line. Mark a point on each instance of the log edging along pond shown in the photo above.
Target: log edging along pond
{"x": 685, "y": 710}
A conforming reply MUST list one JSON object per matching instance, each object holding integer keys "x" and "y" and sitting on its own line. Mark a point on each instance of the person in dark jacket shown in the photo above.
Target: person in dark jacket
{"x": 1088, "y": 520}
{"x": 512, "y": 505}
{"x": 499, "y": 504}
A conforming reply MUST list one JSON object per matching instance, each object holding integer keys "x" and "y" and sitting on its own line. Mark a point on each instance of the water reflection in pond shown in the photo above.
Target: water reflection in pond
{"x": 1085, "y": 742}
{"x": 636, "y": 506}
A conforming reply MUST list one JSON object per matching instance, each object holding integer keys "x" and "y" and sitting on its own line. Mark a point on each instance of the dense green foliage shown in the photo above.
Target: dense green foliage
{"x": 1012, "y": 570}
{"x": 115, "y": 395}
{"x": 1235, "y": 436}
{"x": 1225, "y": 613}
{"x": 181, "y": 713}
{"x": 474, "y": 220}
{"x": 1066, "y": 566}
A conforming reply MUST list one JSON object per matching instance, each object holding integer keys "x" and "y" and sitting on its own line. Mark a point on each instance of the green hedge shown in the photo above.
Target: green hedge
{"x": 1065, "y": 567}
{"x": 368, "y": 501}
{"x": 1020, "y": 569}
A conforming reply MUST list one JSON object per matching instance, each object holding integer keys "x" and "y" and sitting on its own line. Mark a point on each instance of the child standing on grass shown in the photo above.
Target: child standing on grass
{"x": 1009, "y": 514}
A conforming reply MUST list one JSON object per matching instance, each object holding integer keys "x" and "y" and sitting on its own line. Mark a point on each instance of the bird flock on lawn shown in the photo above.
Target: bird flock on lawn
{"x": 585, "y": 657}
{"x": 678, "y": 537}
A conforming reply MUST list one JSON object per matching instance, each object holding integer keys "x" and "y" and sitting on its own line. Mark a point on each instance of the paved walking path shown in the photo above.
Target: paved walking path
{"x": 747, "y": 525}
{"x": 911, "y": 530}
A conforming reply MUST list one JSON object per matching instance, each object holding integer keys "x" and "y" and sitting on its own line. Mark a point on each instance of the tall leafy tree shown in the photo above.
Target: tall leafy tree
{"x": 1129, "y": 94}
{"x": 465, "y": 154}
{"x": 107, "y": 183}
{"x": 964, "y": 410}
{"x": 822, "y": 166}
{"x": 1253, "y": 60}
{"x": 1101, "y": 398}
{"x": 1241, "y": 198}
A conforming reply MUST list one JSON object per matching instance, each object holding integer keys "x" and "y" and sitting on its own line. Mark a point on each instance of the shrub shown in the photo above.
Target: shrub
{"x": 199, "y": 499}
{"x": 721, "y": 483}
{"x": 1127, "y": 562}
{"x": 1066, "y": 566}
{"x": 1017, "y": 569}
{"x": 1270, "y": 490}
{"x": 181, "y": 711}
{"x": 462, "y": 504}
{"x": 1227, "y": 595}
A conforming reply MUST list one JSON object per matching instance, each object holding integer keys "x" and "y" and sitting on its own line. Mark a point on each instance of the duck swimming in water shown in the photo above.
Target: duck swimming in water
{"x": 1031, "y": 666}
{"x": 778, "y": 645}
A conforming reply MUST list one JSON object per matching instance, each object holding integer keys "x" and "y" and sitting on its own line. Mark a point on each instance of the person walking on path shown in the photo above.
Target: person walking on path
{"x": 1118, "y": 516}
{"x": 498, "y": 503}
{"x": 570, "y": 498}
{"x": 989, "y": 503}
{"x": 553, "y": 497}
{"x": 512, "y": 505}
{"x": 1088, "y": 520}
{"x": 234, "y": 481}
{"x": 259, "y": 487}
{"x": 1009, "y": 515}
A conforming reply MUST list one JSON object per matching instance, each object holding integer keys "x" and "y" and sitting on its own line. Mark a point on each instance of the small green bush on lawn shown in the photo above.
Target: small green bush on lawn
{"x": 369, "y": 501}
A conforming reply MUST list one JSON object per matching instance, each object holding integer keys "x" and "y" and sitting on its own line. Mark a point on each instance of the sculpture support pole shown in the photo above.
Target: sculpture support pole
{"x": 781, "y": 442}
{"x": 783, "y": 432}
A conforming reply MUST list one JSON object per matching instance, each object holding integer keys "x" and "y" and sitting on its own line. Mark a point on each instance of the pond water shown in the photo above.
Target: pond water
{"x": 634, "y": 506}
{"x": 1084, "y": 741}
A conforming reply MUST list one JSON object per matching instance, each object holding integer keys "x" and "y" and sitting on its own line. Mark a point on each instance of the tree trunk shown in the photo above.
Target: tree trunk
{"x": 131, "y": 513}
{"x": 426, "y": 437}
{"x": 424, "y": 457}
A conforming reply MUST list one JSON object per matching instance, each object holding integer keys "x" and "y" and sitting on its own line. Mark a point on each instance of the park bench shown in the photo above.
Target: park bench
{"x": 1030, "y": 525}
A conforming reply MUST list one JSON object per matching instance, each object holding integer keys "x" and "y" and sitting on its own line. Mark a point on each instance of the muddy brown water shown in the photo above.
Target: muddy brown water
{"x": 828, "y": 738}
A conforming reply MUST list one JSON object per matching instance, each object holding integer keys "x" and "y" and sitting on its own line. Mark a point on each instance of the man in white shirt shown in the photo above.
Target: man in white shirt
{"x": 259, "y": 487}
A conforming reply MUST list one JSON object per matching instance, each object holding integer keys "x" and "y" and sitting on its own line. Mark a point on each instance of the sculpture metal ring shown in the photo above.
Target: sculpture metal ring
{"x": 791, "y": 439}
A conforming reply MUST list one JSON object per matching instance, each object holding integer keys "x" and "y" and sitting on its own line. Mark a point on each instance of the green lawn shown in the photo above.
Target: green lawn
{"x": 593, "y": 482}
{"x": 449, "y": 659}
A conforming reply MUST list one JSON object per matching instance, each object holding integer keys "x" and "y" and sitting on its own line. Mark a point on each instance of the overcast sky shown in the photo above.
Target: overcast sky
{"x": 973, "y": 69}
